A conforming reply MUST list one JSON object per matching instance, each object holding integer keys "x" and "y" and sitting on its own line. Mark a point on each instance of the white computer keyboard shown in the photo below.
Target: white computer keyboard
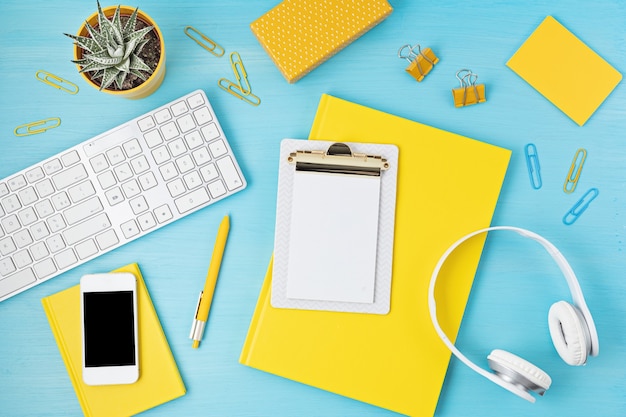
{"x": 111, "y": 189}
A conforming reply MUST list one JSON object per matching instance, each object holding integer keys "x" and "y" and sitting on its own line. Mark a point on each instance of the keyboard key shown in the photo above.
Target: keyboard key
{"x": 184, "y": 164}
{"x": 131, "y": 188}
{"x": 163, "y": 116}
{"x": 147, "y": 181}
{"x": 99, "y": 163}
{"x": 146, "y": 221}
{"x": 195, "y": 101}
{"x": 177, "y": 147}
{"x": 60, "y": 201}
{"x": 186, "y": 123}
{"x": 107, "y": 179}
{"x": 55, "y": 243}
{"x": 44, "y": 188}
{"x": 192, "y": 180}
{"x": 209, "y": 172}
{"x": 194, "y": 139}
{"x": 7, "y": 246}
{"x": 139, "y": 204}
{"x": 210, "y": 132}
{"x": 140, "y": 164}
{"x": 163, "y": 213}
{"x": 22, "y": 238}
{"x": 176, "y": 187}
{"x": 81, "y": 191}
{"x": 70, "y": 158}
{"x": 34, "y": 175}
{"x": 10, "y": 223}
{"x": 179, "y": 108}
{"x": 70, "y": 176}
{"x": 86, "y": 249}
{"x": 203, "y": 115}
{"x": 44, "y": 208}
{"x": 4, "y": 190}
{"x": 153, "y": 138}
{"x": 217, "y": 189}
{"x": 16, "y": 281}
{"x": 86, "y": 229}
{"x": 22, "y": 259}
{"x": 27, "y": 216}
{"x": 123, "y": 172}
{"x": 114, "y": 196}
{"x": 81, "y": 211}
{"x": 7, "y": 267}
{"x": 39, "y": 251}
{"x": 52, "y": 166}
{"x": 56, "y": 223}
{"x": 11, "y": 203}
{"x": 39, "y": 231}
{"x": 160, "y": 155}
{"x": 115, "y": 155}
{"x": 130, "y": 229}
{"x": 146, "y": 123}
{"x": 132, "y": 148}
{"x": 107, "y": 239}
{"x": 28, "y": 196}
{"x": 17, "y": 182}
{"x": 201, "y": 156}
{"x": 169, "y": 130}
{"x": 65, "y": 259}
{"x": 45, "y": 268}
{"x": 192, "y": 200}
{"x": 168, "y": 171}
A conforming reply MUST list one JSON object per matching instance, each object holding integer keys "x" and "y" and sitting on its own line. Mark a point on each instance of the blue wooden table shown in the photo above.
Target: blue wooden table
{"x": 516, "y": 281}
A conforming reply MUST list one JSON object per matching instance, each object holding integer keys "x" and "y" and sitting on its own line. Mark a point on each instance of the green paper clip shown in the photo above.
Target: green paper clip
{"x": 581, "y": 205}
{"x": 39, "y": 126}
{"x": 205, "y": 42}
{"x": 574, "y": 171}
{"x": 56, "y": 82}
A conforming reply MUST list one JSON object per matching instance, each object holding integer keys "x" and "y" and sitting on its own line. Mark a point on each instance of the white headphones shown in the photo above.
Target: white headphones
{"x": 571, "y": 326}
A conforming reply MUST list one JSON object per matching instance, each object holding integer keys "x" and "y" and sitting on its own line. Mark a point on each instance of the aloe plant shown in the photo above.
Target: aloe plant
{"x": 111, "y": 51}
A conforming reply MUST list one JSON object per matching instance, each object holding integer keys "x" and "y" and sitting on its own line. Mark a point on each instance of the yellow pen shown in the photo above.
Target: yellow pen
{"x": 206, "y": 296}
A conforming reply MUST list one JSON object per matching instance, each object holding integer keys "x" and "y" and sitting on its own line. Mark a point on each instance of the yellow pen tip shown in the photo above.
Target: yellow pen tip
{"x": 196, "y": 343}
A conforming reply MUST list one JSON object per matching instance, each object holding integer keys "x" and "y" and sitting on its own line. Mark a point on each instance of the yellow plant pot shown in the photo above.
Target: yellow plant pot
{"x": 154, "y": 80}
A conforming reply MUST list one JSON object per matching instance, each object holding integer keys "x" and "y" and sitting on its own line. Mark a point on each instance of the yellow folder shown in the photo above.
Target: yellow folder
{"x": 448, "y": 185}
{"x": 159, "y": 378}
{"x": 565, "y": 70}
{"x": 299, "y": 35}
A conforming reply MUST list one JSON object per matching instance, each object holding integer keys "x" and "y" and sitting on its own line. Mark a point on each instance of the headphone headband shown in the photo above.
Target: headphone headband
{"x": 568, "y": 273}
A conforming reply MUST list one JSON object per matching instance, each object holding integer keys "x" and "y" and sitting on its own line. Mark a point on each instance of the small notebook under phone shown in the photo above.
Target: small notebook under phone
{"x": 334, "y": 227}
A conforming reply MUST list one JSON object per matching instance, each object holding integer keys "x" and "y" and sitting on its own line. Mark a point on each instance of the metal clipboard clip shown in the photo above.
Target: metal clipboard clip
{"x": 338, "y": 159}
{"x": 468, "y": 93}
{"x": 39, "y": 126}
{"x": 574, "y": 171}
{"x": 420, "y": 63}
{"x": 56, "y": 82}
{"x": 204, "y": 41}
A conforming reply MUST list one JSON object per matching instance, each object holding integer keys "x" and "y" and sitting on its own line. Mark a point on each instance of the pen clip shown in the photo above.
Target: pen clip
{"x": 197, "y": 327}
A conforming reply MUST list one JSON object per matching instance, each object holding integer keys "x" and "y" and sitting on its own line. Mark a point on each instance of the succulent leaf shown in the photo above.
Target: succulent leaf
{"x": 111, "y": 51}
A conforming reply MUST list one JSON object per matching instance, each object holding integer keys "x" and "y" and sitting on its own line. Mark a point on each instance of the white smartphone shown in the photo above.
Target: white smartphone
{"x": 108, "y": 306}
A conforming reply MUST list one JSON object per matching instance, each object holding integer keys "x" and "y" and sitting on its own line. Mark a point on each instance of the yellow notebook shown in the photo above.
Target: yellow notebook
{"x": 448, "y": 185}
{"x": 301, "y": 34}
{"x": 565, "y": 70}
{"x": 159, "y": 378}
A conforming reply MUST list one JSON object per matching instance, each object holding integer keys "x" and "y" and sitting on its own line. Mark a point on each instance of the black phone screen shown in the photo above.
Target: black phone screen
{"x": 109, "y": 328}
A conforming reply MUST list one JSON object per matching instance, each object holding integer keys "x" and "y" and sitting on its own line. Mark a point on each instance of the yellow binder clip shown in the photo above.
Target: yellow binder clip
{"x": 39, "y": 126}
{"x": 241, "y": 89}
{"x": 468, "y": 93}
{"x": 420, "y": 63}
{"x": 574, "y": 171}
{"x": 56, "y": 82}
{"x": 204, "y": 41}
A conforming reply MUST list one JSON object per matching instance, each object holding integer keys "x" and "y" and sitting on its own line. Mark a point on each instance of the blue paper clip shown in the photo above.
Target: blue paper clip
{"x": 532, "y": 163}
{"x": 574, "y": 171}
{"x": 581, "y": 205}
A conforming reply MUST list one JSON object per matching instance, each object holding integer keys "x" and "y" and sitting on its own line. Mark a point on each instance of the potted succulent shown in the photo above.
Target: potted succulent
{"x": 120, "y": 50}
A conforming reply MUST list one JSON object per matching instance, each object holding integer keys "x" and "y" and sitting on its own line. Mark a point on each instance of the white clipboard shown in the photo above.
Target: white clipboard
{"x": 333, "y": 245}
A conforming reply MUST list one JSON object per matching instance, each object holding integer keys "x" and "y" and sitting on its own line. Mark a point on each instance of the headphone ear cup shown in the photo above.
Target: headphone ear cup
{"x": 518, "y": 371}
{"x": 569, "y": 332}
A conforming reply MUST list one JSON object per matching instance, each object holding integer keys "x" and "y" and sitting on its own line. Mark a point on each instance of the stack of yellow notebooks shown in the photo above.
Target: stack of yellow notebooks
{"x": 448, "y": 186}
{"x": 301, "y": 34}
{"x": 159, "y": 378}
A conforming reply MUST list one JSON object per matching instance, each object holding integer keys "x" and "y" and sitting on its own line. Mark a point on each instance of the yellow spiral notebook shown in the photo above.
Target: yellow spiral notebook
{"x": 448, "y": 186}
{"x": 301, "y": 34}
{"x": 159, "y": 378}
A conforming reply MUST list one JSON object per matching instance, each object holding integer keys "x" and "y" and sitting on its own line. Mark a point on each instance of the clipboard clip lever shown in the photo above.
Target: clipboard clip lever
{"x": 338, "y": 159}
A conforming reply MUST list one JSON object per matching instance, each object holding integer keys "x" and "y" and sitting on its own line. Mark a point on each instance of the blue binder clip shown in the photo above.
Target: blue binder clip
{"x": 581, "y": 205}
{"x": 532, "y": 163}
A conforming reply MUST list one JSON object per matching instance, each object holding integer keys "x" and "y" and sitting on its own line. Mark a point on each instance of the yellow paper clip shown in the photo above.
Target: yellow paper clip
{"x": 420, "y": 63}
{"x": 581, "y": 205}
{"x": 574, "y": 171}
{"x": 242, "y": 88}
{"x": 468, "y": 93}
{"x": 56, "y": 82}
{"x": 236, "y": 91}
{"x": 204, "y": 41}
{"x": 39, "y": 126}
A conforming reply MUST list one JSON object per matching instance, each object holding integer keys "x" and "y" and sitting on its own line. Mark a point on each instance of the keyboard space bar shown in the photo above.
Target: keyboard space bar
{"x": 87, "y": 228}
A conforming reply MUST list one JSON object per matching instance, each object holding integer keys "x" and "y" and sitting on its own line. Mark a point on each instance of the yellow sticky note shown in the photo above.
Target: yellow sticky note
{"x": 565, "y": 70}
